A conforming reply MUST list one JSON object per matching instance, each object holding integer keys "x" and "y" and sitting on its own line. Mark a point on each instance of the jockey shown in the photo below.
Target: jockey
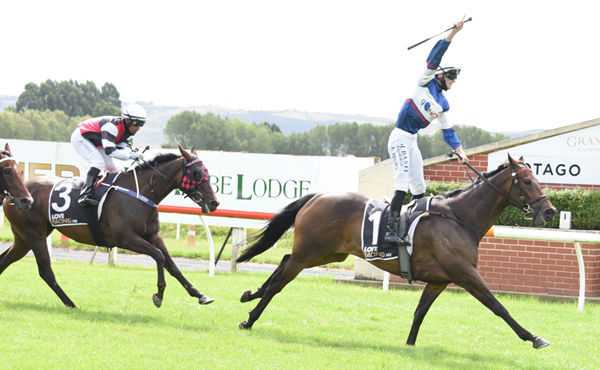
{"x": 100, "y": 139}
{"x": 427, "y": 104}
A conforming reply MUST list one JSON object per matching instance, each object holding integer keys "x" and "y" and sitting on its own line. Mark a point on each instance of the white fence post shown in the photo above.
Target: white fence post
{"x": 565, "y": 223}
{"x": 112, "y": 256}
{"x": 49, "y": 244}
{"x": 211, "y": 248}
{"x": 237, "y": 238}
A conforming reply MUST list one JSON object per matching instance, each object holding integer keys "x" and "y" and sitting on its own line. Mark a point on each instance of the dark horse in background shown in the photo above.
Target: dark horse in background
{"x": 126, "y": 222}
{"x": 12, "y": 185}
{"x": 327, "y": 228}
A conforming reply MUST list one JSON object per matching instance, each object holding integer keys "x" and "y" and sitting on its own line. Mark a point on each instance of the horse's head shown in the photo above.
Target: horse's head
{"x": 525, "y": 190}
{"x": 195, "y": 183}
{"x": 12, "y": 186}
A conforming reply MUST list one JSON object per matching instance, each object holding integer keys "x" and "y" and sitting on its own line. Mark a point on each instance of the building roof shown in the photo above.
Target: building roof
{"x": 500, "y": 145}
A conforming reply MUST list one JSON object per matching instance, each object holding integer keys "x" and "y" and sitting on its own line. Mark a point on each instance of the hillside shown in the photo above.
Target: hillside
{"x": 289, "y": 121}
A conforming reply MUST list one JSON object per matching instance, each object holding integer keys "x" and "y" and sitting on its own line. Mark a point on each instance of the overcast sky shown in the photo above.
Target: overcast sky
{"x": 527, "y": 64}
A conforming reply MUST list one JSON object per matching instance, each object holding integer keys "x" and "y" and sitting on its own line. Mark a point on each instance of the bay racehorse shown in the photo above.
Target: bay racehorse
{"x": 327, "y": 228}
{"x": 12, "y": 185}
{"x": 126, "y": 222}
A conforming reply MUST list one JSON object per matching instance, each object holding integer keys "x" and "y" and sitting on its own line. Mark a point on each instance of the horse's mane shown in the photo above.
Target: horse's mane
{"x": 160, "y": 158}
{"x": 487, "y": 175}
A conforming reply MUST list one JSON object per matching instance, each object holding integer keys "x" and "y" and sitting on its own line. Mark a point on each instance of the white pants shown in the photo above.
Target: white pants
{"x": 95, "y": 156}
{"x": 407, "y": 162}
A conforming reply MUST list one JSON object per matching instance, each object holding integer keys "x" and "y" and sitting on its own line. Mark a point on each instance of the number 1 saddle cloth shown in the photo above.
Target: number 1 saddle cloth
{"x": 375, "y": 222}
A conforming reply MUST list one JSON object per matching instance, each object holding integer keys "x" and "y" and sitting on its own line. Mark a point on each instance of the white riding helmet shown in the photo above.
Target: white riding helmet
{"x": 135, "y": 112}
{"x": 449, "y": 69}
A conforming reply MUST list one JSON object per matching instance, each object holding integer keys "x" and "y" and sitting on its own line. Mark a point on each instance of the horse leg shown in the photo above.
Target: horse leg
{"x": 429, "y": 295}
{"x": 14, "y": 253}
{"x": 474, "y": 284}
{"x": 280, "y": 278}
{"x": 42, "y": 258}
{"x": 137, "y": 244}
{"x": 172, "y": 268}
{"x": 248, "y": 295}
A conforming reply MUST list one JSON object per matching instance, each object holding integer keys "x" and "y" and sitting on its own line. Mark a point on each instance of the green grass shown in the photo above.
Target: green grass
{"x": 179, "y": 247}
{"x": 313, "y": 323}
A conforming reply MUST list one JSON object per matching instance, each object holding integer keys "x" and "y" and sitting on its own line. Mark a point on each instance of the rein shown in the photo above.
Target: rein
{"x": 525, "y": 206}
{"x": 187, "y": 183}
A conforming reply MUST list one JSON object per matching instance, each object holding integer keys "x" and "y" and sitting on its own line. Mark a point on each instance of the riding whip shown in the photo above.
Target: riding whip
{"x": 420, "y": 42}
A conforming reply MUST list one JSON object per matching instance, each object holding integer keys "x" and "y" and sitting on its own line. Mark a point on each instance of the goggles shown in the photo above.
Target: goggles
{"x": 138, "y": 123}
{"x": 452, "y": 75}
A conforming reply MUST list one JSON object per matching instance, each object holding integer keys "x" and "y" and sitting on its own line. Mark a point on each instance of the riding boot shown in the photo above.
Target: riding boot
{"x": 85, "y": 197}
{"x": 392, "y": 234}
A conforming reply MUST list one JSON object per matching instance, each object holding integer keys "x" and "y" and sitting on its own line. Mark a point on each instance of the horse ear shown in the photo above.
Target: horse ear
{"x": 511, "y": 160}
{"x": 193, "y": 151}
{"x": 521, "y": 159}
{"x": 185, "y": 154}
{"x": 7, "y": 148}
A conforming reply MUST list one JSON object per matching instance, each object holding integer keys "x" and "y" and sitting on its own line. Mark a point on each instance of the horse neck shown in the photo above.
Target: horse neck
{"x": 154, "y": 186}
{"x": 482, "y": 205}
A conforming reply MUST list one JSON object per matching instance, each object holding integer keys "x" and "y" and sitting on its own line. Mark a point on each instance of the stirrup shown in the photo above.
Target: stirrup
{"x": 392, "y": 237}
{"x": 87, "y": 200}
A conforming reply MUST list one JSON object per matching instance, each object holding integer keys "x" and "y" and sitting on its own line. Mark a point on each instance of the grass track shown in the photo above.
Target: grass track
{"x": 313, "y": 323}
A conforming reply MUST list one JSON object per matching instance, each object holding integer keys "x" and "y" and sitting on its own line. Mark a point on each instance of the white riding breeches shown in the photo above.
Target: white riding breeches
{"x": 407, "y": 162}
{"x": 95, "y": 156}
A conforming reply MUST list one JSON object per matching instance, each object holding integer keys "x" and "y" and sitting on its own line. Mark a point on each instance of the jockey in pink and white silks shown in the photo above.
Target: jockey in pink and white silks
{"x": 426, "y": 105}
{"x": 100, "y": 139}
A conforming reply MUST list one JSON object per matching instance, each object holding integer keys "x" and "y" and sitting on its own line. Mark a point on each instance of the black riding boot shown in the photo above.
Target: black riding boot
{"x": 392, "y": 233}
{"x": 85, "y": 197}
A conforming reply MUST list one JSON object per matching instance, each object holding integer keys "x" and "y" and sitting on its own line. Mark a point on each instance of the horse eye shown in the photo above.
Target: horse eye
{"x": 198, "y": 175}
{"x": 7, "y": 172}
{"x": 527, "y": 182}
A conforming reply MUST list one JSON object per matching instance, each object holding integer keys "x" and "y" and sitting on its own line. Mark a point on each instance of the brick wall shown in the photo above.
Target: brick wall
{"x": 535, "y": 266}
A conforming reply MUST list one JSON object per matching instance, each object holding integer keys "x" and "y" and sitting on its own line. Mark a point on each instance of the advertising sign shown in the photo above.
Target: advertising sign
{"x": 242, "y": 181}
{"x": 570, "y": 158}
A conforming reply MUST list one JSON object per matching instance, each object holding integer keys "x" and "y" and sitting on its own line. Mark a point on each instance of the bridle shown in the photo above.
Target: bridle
{"x": 5, "y": 193}
{"x": 521, "y": 203}
{"x": 188, "y": 184}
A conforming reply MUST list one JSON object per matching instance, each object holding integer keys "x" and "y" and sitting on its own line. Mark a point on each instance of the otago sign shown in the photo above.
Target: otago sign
{"x": 570, "y": 158}
{"x": 242, "y": 181}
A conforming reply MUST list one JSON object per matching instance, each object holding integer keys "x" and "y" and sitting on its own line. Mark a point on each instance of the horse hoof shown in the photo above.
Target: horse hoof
{"x": 245, "y": 296}
{"x": 539, "y": 342}
{"x": 205, "y": 299}
{"x": 157, "y": 300}
{"x": 244, "y": 325}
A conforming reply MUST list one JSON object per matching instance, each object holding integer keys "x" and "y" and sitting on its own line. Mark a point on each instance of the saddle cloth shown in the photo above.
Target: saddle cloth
{"x": 375, "y": 222}
{"x": 63, "y": 209}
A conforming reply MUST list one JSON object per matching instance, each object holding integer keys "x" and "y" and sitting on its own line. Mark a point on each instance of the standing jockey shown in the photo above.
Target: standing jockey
{"x": 100, "y": 139}
{"x": 427, "y": 104}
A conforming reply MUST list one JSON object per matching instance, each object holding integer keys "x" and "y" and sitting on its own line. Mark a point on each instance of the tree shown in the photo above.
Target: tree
{"x": 70, "y": 97}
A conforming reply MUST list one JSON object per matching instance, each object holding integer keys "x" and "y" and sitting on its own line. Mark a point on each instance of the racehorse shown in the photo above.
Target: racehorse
{"x": 126, "y": 222}
{"x": 12, "y": 185}
{"x": 327, "y": 228}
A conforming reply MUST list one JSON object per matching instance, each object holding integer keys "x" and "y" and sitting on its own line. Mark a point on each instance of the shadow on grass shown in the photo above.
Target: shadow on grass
{"x": 435, "y": 355}
{"x": 116, "y": 318}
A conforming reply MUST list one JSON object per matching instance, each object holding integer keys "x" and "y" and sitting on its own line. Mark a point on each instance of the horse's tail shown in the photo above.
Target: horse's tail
{"x": 271, "y": 233}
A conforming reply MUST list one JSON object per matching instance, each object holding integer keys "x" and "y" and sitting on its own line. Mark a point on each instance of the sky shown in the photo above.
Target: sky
{"x": 527, "y": 65}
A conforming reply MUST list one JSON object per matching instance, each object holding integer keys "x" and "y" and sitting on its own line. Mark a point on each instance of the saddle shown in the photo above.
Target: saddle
{"x": 64, "y": 210}
{"x": 373, "y": 231}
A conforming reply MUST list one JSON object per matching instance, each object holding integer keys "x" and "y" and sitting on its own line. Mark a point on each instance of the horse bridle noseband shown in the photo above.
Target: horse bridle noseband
{"x": 525, "y": 206}
{"x": 5, "y": 193}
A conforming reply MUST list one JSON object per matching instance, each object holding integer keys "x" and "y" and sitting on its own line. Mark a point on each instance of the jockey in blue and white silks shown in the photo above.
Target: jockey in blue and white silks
{"x": 427, "y": 104}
